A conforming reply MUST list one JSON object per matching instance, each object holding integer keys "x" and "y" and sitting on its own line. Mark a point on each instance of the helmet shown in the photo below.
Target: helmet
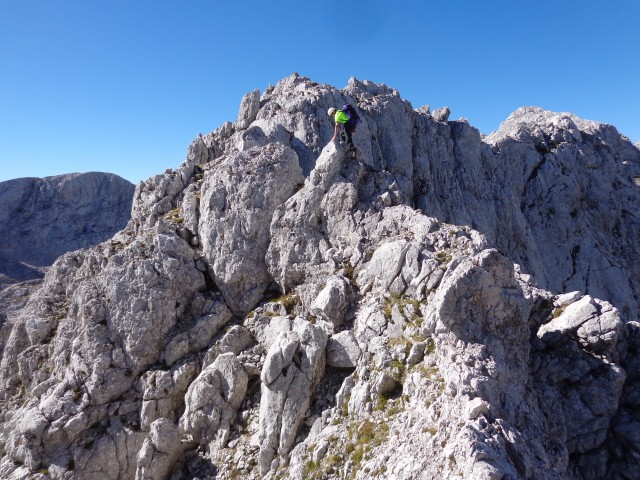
{"x": 331, "y": 111}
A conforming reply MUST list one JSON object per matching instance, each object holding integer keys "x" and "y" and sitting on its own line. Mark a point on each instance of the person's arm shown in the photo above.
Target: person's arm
{"x": 335, "y": 130}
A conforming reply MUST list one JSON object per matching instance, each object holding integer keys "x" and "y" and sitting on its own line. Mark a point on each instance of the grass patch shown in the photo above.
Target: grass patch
{"x": 418, "y": 338}
{"x": 329, "y": 465}
{"x": 117, "y": 246}
{"x": 431, "y": 347}
{"x": 428, "y": 372}
{"x": 398, "y": 371}
{"x": 402, "y": 341}
{"x": 289, "y": 302}
{"x": 382, "y": 402}
{"x": 443, "y": 257}
{"x": 396, "y": 408}
{"x": 310, "y": 469}
{"x": 173, "y": 216}
{"x": 559, "y": 311}
{"x": 349, "y": 273}
{"x": 367, "y": 436}
{"x": 344, "y": 408}
{"x": 409, "y": 308}
{"x": 387, "y": 310}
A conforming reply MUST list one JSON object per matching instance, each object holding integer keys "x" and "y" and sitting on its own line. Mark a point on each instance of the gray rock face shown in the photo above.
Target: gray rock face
{"x": 574, "y": 173}
{"x": 444, "y": 305}
{"x": 292, "y": 369}
{"x": 212, "y": 400}
{"x": 238, "y": 201}
{"x": 42, "y": 218}
{"x": 343, "y": 350}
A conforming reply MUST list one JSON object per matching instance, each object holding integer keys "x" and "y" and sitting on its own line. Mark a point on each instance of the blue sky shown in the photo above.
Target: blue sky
{"x": 125, "y": 86}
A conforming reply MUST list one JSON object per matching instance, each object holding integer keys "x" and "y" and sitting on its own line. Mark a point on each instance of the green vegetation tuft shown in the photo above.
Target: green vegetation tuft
{"x": 431, "y": 347}
{"x": 382, "y": 402}
{"x": 443, "y": 257}
{"x": 559, "y": 311}
{"x": 430, "y": 430}
{"x": 289, "y": 302}
{"x": 398, "y": 371}
{"x": 349, "y": 273}
{"x": 173, "y": 216}
{"x": 310, "y": 469}
{"x": 363, "y": 439}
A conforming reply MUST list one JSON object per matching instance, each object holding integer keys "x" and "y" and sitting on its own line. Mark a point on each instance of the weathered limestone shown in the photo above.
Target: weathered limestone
{"x": 292, "y": 369}
{"x": 343, "y": 350}
{"x": 238, "y": 201}
{"x": 444, "y": 305}
{"x": 212, "y": 400}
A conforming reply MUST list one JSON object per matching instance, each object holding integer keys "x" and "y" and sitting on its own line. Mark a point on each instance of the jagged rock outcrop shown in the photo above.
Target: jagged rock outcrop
{"x": 213, "y": 398}
{"x": 42, "y": 218}
{"x": 237, "y": 204}
{"x": 292, "y": 369}
{"x": 276, "y": 310}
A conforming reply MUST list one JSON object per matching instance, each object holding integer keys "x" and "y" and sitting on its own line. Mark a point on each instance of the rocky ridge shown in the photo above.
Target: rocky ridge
{"x": 446, "y": 305}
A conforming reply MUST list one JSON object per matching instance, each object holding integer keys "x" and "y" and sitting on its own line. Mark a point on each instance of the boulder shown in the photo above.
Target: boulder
{"x": 213, "y": 399}
{"x": 343, "y": 350}
{"x": 292, "y": 369}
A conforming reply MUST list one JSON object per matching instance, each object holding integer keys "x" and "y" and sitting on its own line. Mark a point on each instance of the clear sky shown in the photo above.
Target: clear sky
{"x": 124, "y": 86}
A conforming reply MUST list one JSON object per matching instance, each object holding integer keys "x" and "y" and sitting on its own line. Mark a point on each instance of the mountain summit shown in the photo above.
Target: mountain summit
{"x": 444, "y": 305}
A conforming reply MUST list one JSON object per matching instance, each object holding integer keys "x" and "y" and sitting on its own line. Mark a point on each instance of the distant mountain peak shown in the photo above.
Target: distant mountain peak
{"x": 42, "y": 218}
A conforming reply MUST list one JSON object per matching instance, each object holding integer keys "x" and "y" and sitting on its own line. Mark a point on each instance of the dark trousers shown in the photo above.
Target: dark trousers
{"x": 349, "y": 130}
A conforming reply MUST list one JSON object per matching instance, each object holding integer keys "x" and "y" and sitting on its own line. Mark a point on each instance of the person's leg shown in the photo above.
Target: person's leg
{"x": 348, "y": 130}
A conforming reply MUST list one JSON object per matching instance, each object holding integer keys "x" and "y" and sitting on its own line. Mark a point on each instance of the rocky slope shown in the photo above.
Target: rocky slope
{"x": 42, "y": 218}
{"x": 447, "y": 305}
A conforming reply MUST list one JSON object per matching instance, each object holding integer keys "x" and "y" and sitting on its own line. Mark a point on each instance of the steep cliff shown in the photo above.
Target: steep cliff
{"x": 444, "y": 305}
{"x": 42, "y": 218}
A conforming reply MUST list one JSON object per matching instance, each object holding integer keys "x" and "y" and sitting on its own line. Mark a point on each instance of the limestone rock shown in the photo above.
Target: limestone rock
{"x": 332, "y": 301}
{"x": 292, "y": 369}
{"x": 164, "y": 391}
{"x": 249, "y": 107}
{"x": 441, "y": 114}
{"x": 159, "y": 451}
{"x": 416, "y": 354}
{"x": 596, "y": 326}
{"x": 343, "y": 350}
{"x": 238, "y": 201}
{"x": 474, "y": 299}
{"x": 212, "y": 400}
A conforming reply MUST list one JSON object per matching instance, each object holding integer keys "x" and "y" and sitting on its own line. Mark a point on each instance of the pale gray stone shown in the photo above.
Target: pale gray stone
{"x": 238, "y": 201}
{"x": 43, "y": 218}
{"x": 343, "y": 350}
{"x": 248, "y": 109}
{"x": 216, "y": 302}
{"x": 477, "y": 407}
{"x": 159, "y": 451}
{"x": 213, "y": 399}
{"x": 416, "y": 354}
{"x": 385, "y": 384}
{"x": 441, "y": 114}
{"x": 292, "y": 369}
{"x": 332, "y": 302}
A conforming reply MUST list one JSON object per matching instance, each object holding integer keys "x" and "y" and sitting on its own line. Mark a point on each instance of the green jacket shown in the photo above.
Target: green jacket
{"x": 341, "y": 117}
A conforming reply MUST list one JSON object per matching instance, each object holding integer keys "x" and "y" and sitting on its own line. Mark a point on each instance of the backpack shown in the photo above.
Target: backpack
{"x": 351, "y": 113}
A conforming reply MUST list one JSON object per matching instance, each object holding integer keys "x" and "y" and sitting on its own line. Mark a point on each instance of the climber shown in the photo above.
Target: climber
{"x": 348, "y": 117}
